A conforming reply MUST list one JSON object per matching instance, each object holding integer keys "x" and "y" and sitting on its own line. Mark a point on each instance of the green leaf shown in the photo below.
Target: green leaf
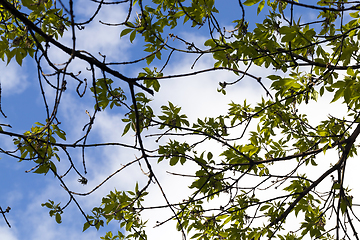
{"x": 10, "y": 55}
{"x": 99, "y": 224}
{"x": 150, "y": 59}
{"x": 210, "y": 43}
{"x": 125, "y": 31}
{"x": 61, "y": 134}
{"x": 20, "y": 54}
{"x": 217, "y": 64}
{"x": 263, "y": 208}
{"x": 274, "y": 77}
{"x": 251, "y": 2}
{"x": 126, "y": 129}
{"x": 58, "y": 218}
{"x": 86, "y": 226}
{"x": 129, "y": 225}
{"x": 261, "y": 6}
{"x": 132, "y": 36}
{"x": 354, "y": 14}
{"x": 43, "y": 168}
{"x": 336, "y": 186}
{"x": 338, "y": 94}
{"x": 174, "y": 161}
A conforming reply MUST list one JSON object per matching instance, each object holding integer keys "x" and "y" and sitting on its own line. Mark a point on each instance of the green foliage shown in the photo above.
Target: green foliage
{"x": 308, "y": 61}
{"x": 171, "y": 117}
{"x": 145, "y": 114}
{"x": 151, "y": 81}
{"x": 212, "y": 127}
{"x": 16, "y": 39}
{"x": 281, "y": 132}
{"x": 174, "y": 151}
{"x": 104, "y": 94}
{"x": 37, "y": 146}
{"x": 123, "y": 207}
{"x": 55, "y": 210}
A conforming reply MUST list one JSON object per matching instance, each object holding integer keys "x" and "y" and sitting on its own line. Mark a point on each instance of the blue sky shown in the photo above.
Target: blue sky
{"x": 22, "y": 103}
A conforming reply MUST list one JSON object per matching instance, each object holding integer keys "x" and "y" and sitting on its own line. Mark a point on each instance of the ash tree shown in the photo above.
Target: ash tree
{"x": 248, "y": 191}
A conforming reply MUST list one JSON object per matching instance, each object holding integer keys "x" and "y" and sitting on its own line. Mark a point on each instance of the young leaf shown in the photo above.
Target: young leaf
{"x": 251, "y": 2}
{"x": 132, "y": 36}
{"x": 125, "y": 31}
{"x": 261, "y": 6}
{"x": 58, "y": 218}
{"x": 86, "y": 226}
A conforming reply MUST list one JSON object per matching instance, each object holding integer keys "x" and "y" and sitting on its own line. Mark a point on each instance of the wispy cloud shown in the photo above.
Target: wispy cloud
{"x": 13, "y": 78}
{"x": 6, "y": 233}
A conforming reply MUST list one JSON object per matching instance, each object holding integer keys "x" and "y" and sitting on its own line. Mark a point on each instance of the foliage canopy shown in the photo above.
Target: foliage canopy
{"x": 245, "y": 192}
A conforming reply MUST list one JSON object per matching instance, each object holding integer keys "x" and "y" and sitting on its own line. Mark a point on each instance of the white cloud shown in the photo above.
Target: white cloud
{"x": 13, "y": 78}
{"x": 98, "y": 38}
{"x": 7, "y": 233}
